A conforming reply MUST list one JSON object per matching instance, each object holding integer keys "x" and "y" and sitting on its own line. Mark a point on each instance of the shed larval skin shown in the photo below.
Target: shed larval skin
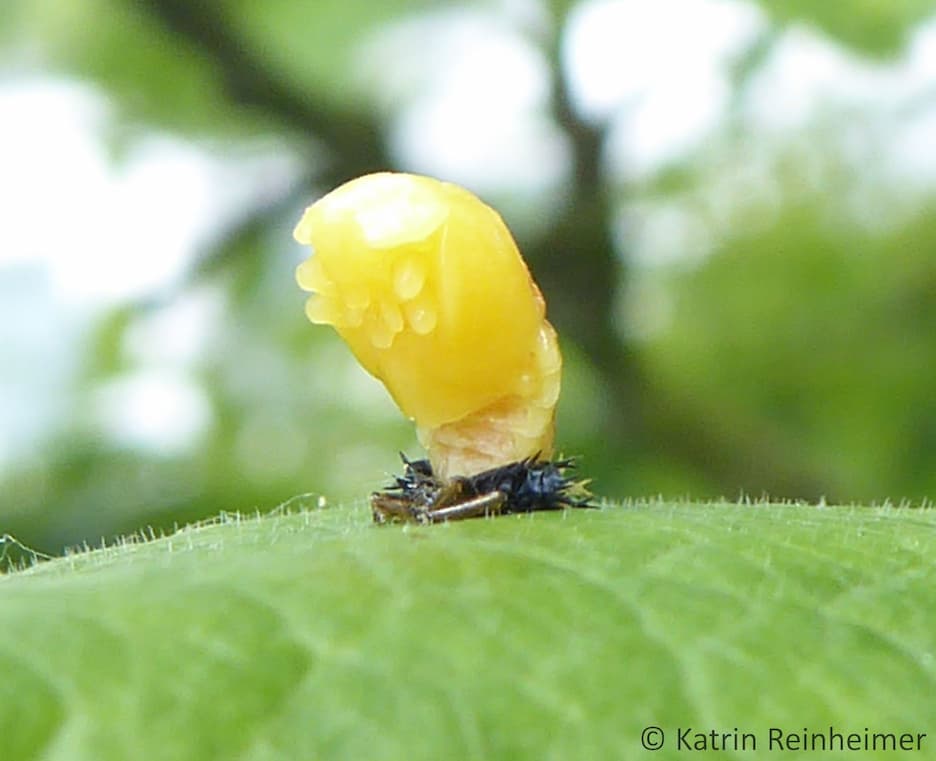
{"x": 426, "y": 285}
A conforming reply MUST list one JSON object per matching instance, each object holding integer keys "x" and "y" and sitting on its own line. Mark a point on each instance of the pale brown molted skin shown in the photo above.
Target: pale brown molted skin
{"x": 513, "y": 428}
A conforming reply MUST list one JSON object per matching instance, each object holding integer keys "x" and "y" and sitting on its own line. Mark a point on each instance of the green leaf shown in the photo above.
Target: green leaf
{"x": 189, "y": 66}
{"x": 870, "y": 26}
{"x": 319, "y": 635}
{"x": 314, "y": 45}
{"x": 156, "y": 77}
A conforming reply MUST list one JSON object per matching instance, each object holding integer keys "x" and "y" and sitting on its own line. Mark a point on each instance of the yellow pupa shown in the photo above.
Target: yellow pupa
{"x": 426, "y": 285}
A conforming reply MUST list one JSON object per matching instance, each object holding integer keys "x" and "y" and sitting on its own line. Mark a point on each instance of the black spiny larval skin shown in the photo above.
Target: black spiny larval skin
{"x": 532, "y": 484}
{"x": 523, "y": 486}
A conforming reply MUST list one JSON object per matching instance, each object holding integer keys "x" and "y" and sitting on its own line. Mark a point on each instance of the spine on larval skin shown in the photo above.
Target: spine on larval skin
{"x": 426, "y": 285}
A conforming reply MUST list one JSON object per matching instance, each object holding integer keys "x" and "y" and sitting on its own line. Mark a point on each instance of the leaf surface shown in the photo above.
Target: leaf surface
{"x": 319, "y": 635}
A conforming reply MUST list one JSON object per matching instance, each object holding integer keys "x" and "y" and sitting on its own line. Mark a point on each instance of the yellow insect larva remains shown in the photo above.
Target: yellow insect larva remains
{"x": 426, "y": 285}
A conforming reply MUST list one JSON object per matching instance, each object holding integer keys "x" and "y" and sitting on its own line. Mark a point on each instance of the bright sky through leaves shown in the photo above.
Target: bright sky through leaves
{"x": 82, "y": 232}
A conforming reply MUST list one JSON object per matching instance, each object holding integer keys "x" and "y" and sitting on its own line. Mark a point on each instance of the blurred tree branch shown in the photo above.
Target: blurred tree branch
{"x": 576, "y": 264}
{"x": 352, "y": 138}
{"x": 582, "y": 272}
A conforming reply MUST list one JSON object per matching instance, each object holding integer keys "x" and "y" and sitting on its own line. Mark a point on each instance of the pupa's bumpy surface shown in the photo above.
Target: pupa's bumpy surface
{"x": 426, "y": 285}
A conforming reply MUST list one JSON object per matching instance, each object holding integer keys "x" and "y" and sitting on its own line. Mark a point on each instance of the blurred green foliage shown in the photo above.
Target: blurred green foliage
{"x": 870, "y": 26}
{"x": 798, "y": 358}
{"x": 826, "y": 336}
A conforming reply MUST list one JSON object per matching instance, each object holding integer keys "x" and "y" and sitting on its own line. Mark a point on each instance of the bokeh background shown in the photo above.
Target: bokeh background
{"x": 729, "y": 204}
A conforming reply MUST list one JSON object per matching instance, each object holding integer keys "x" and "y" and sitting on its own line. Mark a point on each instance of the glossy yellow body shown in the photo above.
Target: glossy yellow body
{"x": 426, "y": 285}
